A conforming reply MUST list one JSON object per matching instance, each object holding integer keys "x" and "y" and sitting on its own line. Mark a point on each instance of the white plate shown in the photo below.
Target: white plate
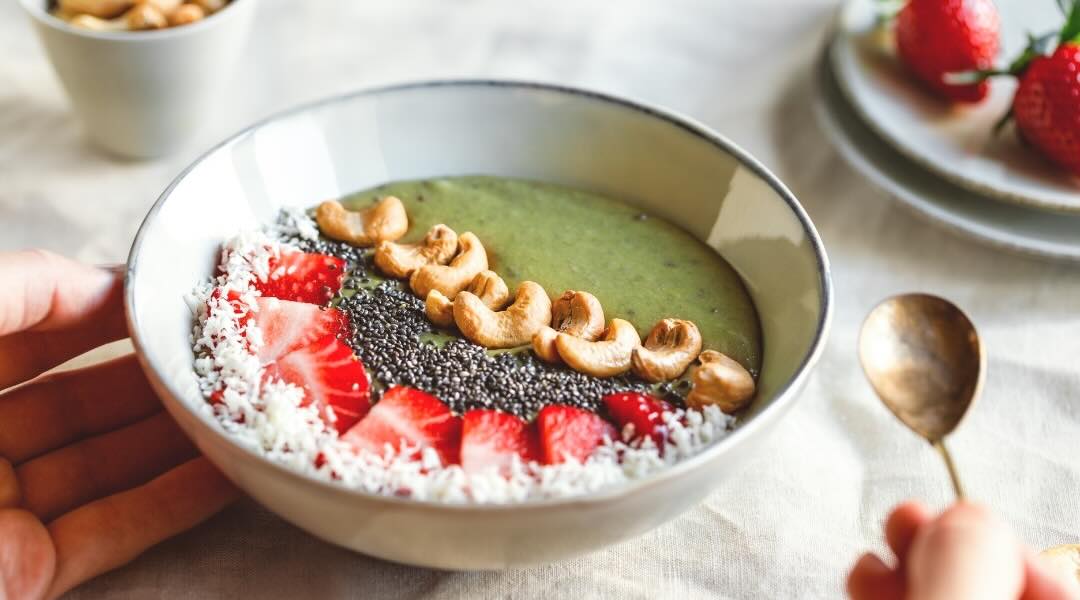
{"x": 958, "y": 143}
{"x": 1004, "y": 225}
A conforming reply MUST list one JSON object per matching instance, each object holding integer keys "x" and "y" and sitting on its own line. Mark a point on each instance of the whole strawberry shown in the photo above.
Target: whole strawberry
{"x": 1047, "y": 105}
{"x": 935, "y": 37}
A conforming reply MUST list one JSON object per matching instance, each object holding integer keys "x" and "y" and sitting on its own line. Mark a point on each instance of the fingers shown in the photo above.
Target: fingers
{"x": 63, "y": 408}
{"x": 965, "y": 553}
{"x": 27, "y": 557}
{"x": 53, "y": 309}
{"x": 902, "y": 525}
{"x": 9, "y": 487}
{"x": 111, "y": 532}
{"x": 871, "y": 579}
{"x": 61, "y": 480}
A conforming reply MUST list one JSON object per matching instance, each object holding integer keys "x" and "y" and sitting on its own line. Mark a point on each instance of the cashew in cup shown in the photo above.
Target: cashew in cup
{"x": 610, "y": 355}
{"x": 670, "y": 348}
{"x": 93, "y": 23}
{"x": 165, "y": 6}
{"x": 722, "y": 382}
{"x": 487, "y": 286}
{"x": 186, "y": 14}
{"x": 209, "y": 6}
{"x": 574, "y": 313}
{"x": 400, "y": 260}
{"x": 145, "y": 16}
{"x": 384, "y": 221}
{"x": 512, "y": 327}
{"x": 452, "y": 278}
{"x": 102, "y": 9}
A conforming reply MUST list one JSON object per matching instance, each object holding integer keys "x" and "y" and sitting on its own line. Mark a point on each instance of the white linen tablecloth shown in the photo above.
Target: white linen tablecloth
{"x": 799, "y": 514}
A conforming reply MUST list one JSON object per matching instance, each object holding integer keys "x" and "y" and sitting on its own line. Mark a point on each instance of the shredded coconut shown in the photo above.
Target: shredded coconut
{"x": 268, "y": 418}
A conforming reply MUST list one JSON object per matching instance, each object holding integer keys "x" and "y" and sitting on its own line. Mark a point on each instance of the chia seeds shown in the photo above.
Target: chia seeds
{"x": 390, "y": 334}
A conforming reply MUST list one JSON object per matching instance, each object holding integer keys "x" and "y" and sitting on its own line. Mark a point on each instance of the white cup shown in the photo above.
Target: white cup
{"x": 142, "y": 94}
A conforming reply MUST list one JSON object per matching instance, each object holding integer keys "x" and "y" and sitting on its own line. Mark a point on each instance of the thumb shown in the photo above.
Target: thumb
{"x": 27, "y": 556}
{"x": 965, "y": 553}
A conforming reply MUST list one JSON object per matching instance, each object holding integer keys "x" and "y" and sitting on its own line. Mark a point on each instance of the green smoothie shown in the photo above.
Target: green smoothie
{"x": 641, "y": 268}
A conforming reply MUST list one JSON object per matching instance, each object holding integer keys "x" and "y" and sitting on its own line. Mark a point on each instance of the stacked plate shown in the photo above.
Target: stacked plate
{"x": 945, "y": 162}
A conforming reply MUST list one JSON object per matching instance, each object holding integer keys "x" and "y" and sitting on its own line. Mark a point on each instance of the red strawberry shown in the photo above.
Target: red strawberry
{"x": 568, "y": 433}
{"x": 490, "y": 438}
{"x": 1047, "y": 105}
{"x": 331, "y": 376}
{"x": 642, "y": 411}
{"x": 409, "y": 415}
{"x": 239, "y": 308}
{"x": 303, "y": 277}
{"x": 935, "y": 37}
{"x": 287, "y": 326}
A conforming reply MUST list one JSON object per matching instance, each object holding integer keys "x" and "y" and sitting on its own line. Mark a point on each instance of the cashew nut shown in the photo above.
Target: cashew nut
{"x": 210, "y": 6}
{"x": 186, "y": 15}
{"x": 384, "y": 221}
{"x": 167, "y": 7}
{"x": 145, "y": 16}
{"x": 512, "y": 327}
{"x": 400, "y": 260}
{"x": 487, "y": 285}
{"x": 93, "y": 23}
{"x": 722, "y": 382}
{"x": 574, "y": 313}
{"x": 671, "y": 346}
{"x": 610, "y": 355}
{"x": 452, "y": 278}
{"x": 102, "y": 9}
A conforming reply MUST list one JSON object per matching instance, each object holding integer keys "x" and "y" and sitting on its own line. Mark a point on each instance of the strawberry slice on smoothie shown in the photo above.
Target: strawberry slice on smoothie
{"x": 492, "y": 438}
{"x": 639, "y": 415}
{"x": 303, "y": 277}
{"x": 287, "y": 326}
{"x": 302, "y": 345}
{"x": 411, "y": 416}
{"x": 568, "y": 433}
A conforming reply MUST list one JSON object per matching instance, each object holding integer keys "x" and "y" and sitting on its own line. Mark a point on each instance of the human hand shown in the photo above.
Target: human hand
{"x": 92, "y": 470}
{"x": 963, "y": 553}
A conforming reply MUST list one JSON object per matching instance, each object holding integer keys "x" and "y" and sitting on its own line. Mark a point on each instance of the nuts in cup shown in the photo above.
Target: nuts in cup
{"x": 134, "y": 15}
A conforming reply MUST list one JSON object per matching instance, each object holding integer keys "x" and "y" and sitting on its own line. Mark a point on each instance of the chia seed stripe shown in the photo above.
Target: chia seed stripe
{"x": 388, "y": 330}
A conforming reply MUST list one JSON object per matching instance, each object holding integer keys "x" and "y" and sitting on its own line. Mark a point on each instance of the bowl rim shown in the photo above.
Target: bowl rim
{"x": 39, "y": 12}
{"x": 785, "y": 397}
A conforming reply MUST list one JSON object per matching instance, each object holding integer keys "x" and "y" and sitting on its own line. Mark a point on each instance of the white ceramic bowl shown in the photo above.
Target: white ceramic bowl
{"x": 142, "y": 94}
{"x": 667, "y": 165}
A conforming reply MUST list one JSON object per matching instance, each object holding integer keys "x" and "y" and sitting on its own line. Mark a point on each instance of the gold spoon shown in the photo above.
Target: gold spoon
{"x": 923, "y": 357}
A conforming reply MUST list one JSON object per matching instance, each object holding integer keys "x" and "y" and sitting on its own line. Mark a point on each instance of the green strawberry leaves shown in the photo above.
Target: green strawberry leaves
{"x": 1071, "y": 31}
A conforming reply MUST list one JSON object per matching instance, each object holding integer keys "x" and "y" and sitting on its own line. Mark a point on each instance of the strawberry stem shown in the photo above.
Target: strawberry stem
{"x": 1071, "y": 31}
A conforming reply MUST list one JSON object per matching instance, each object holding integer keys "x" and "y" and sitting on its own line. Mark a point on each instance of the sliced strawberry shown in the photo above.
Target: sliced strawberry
{"x": 641, "y": 411}
{"x": 288, "y": 326}
{"x": 331, "y": 376}
{"x": 303, "y": 277}
{"x": 239, "y": 308}
{"x": 408, "y": 415}
{"x": 568, "y": 433}
{"x": 491, "y": 438}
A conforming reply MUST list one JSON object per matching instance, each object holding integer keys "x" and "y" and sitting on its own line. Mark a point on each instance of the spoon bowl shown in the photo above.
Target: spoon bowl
{"x": 924, "y": 360}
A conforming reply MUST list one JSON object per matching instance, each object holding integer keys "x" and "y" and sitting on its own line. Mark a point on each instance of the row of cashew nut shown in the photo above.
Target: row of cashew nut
{"x": 451, "y": 274}
{"x": 134, "y": 15}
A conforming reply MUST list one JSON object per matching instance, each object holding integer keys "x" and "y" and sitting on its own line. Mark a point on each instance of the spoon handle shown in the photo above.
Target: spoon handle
{"x": 940, "y": 446}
